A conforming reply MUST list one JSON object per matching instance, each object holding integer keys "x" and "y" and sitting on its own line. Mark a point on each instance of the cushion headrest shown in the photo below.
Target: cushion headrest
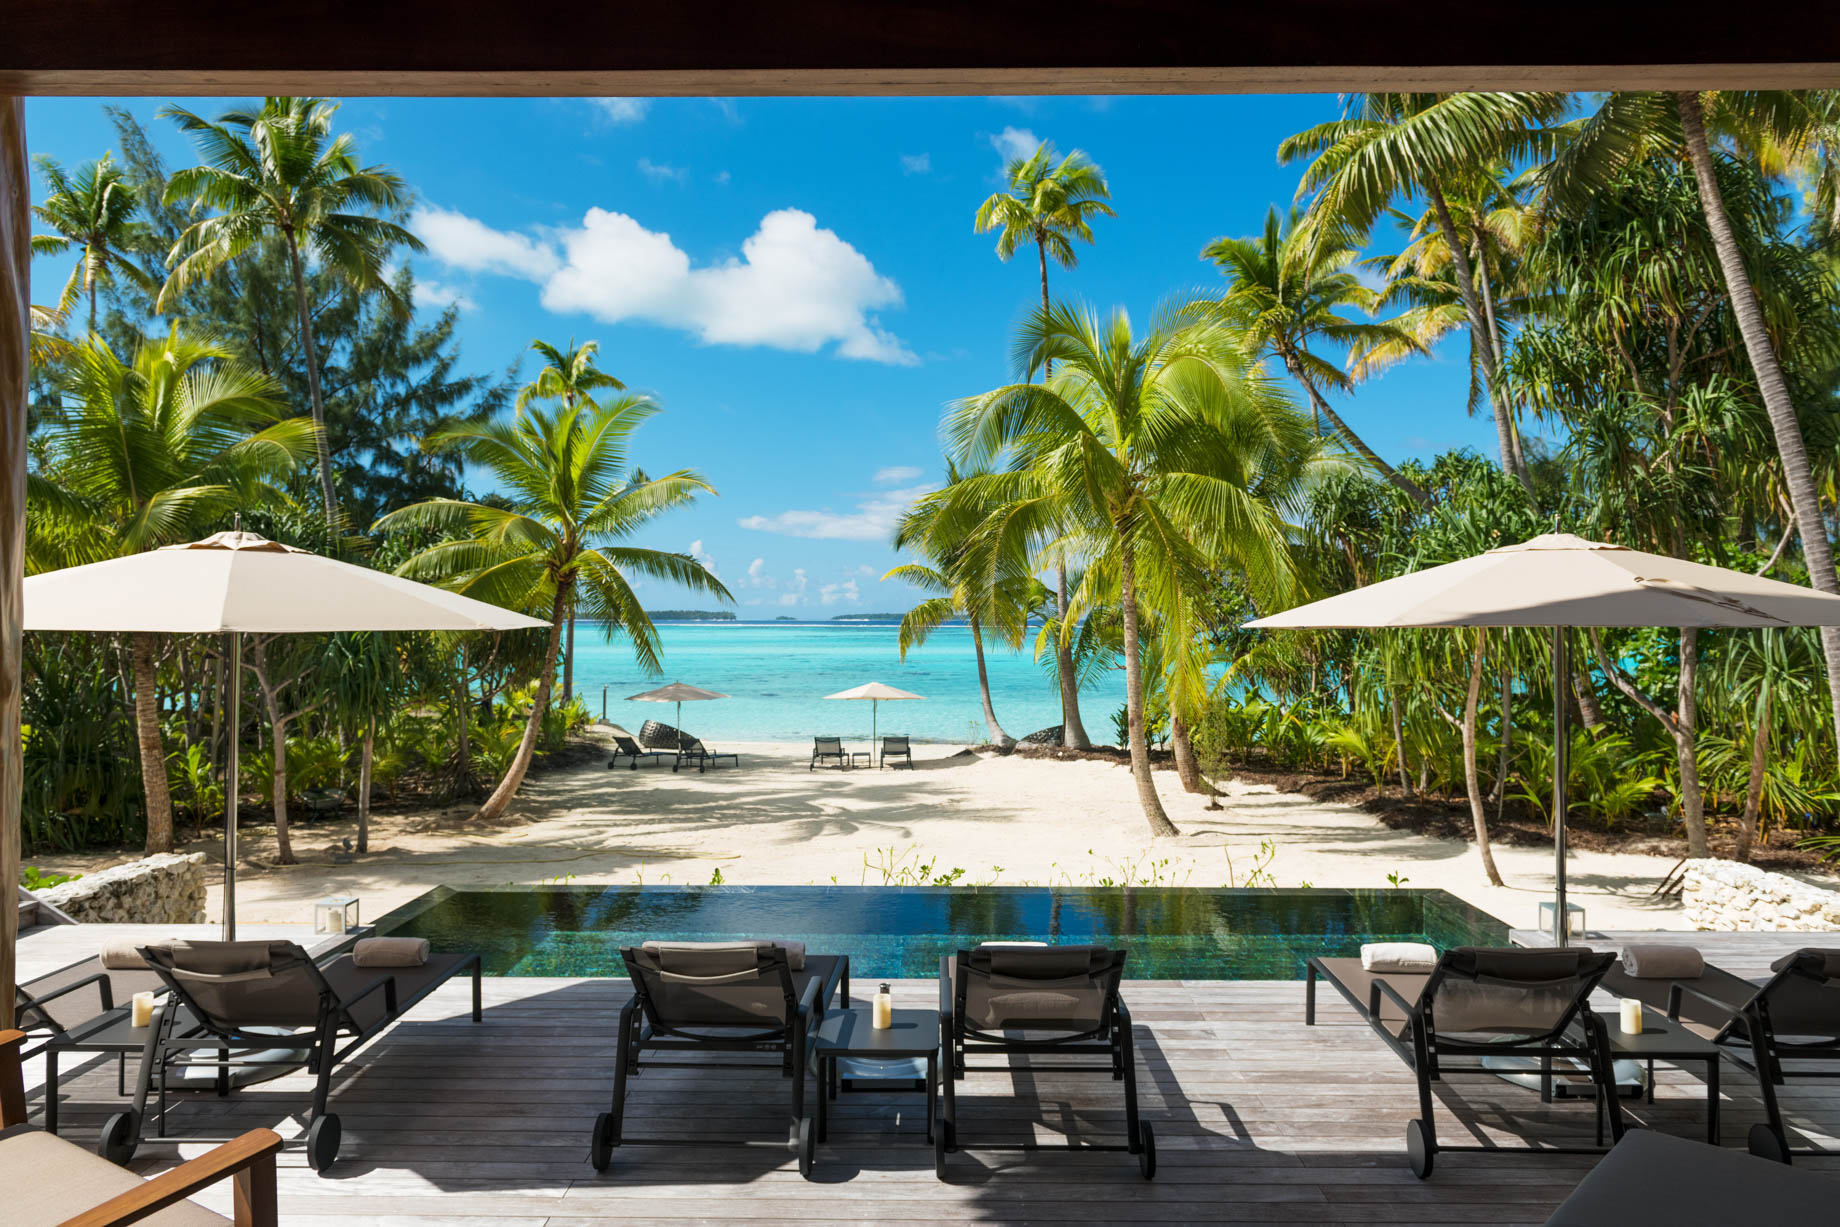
{"x": 1815, "y": 960}
{"x": 1529, "y": 966}
{"x": 1020, "y": 962}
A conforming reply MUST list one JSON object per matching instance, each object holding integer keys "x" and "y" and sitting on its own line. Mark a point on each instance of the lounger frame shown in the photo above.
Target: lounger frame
{"x": 634, "y": 751}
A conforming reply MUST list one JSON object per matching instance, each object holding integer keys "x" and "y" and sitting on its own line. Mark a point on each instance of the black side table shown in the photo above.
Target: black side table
{"x": 851, "y": 1035}
{"x": 1662, "y": 1039}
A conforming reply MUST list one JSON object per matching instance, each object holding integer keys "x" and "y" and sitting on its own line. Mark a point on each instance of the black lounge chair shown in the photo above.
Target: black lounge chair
{"x": 267, "y": 1004}
{"x": 719, "y": 998}
{"x": 900, "y": 747}
{"x": 1027, "y": 1000}
{"x": 1480, "y": 1002}
{"x": 1651, "y": 1177}
{"x": 824, "y": 749}
{"x": 59, "y": 1011}
{"x": 696, "y": 752}
{"x": 623, "y": 744}
{"x": 1793, "y": 1016}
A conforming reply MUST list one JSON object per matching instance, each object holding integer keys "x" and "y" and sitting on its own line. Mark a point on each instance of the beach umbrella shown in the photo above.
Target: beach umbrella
{"x": 875, "y": 692}
{"x": 679, "y": 693}
{"x": 1562, "y": 582}
{"x": 239, "y": 583}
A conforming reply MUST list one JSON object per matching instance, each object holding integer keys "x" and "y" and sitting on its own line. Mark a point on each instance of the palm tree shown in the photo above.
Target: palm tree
{"x": 278, "y": 169}
{"x": 1291, "y": 285}
{"x": 1147, "y": 443}
{"x": 573, "y": 497}
{"x": 1050, "y": 204}
{"x": 1398, "y": 145}
{"x": 93, "y": 210}
{"x": 145, "y": 455}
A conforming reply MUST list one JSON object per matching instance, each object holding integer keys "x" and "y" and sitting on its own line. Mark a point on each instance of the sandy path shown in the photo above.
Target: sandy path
{"x": 1004, "y": 820}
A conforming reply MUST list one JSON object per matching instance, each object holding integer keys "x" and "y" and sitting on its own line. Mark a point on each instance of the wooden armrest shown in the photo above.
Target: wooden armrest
{"x": 12, "y": 1080}
{"x": 249, "y": 1158}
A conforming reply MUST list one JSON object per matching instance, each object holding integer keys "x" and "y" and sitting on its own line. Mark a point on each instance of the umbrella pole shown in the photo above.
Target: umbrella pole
{"x": 875, "y": 707}
{"x": 230, "y": 785}
{"x": 1561, "y": 753}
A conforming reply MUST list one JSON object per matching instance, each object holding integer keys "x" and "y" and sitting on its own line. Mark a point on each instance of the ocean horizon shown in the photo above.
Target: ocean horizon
{"x": 779, "y": 672}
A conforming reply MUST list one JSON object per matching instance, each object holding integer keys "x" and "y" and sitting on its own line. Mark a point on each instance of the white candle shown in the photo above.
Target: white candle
{"x": 884, "y": 1009}
{"x": 1632, "y": 1016}
{"x": 143, "y": 1009}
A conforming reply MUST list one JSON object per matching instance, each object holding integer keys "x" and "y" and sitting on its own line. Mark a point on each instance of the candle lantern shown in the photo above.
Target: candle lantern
{"x": 1574, "y": 919}
{"x": 335, "y": 915}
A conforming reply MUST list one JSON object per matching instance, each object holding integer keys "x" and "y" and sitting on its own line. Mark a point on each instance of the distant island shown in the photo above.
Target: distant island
{"x": 690, "y": 615}
{"x": 868, "y": 617}
{"x": 785, "y": 618}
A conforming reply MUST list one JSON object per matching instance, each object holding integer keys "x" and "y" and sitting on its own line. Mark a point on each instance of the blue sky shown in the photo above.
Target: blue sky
{"x": 797, "y": 281}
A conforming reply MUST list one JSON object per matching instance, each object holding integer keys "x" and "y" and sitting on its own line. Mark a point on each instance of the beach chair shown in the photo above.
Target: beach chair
{"x": 824, "y": 749}
{"x": 1652, "y": 1177}
{"x": 656, "y": 736}
{"x": 1477, "y": 1002}
{"x": 623, "y": 744}
{"x": 46, "y": 1180}
{"x": 721, "y": 999}
{"x": 1792, "y": 1016}
{"x": 899, "y": 747}
{"x": 266, "y": 1004}
{"x": 60, "y": 1011}
{"x": 696, "y": 752}
{"x": 1015, "y": 999}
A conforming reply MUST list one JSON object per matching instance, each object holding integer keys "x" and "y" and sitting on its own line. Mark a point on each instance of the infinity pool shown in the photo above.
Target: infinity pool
{"x": 891, "y": 932}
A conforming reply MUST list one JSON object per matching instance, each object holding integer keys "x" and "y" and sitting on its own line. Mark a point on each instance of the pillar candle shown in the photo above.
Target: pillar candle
{"x": 143, "y": 1009}
{"x": 1632, "y": 1016}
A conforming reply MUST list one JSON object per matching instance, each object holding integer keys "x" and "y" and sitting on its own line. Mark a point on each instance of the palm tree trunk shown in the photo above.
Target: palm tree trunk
{"x": 1798, "y": 475}
{"x": 1134, "y": 690}
{"x": 1686, "y": 723}
{"x": 1399, "y": 738}
{"x": 1073, "y": 729}
{"x": 1188, "y": 767}
{"x": 533, "y": 727}
{"x": 568, "y": 660}
{"x": 1479, "y": 336}
{"x": 998, "y": 737}
{"x": 1486, "y": 290}
{"x": 1404, "y": 484}
{"x": 277, "y": 730}
{"x": 92, "y": 308}
{"x": 1590, "y": 711}
{"x": 1472, "y": 781}
{"x": 364, "y": 785}
{"x": 1753, "y": 787}
{"x": 319, "y": 409}
{"x": 1499, "y": 794}
{"x": 152, "y": 746}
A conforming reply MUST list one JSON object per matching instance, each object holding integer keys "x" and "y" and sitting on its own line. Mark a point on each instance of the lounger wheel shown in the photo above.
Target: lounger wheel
{"x": 1419, "y": 1149}
{"x": 1767, "y": 1143}
{"x": 606, "y": 1137}
{"x": 807, "y": 1142}
{"x": 1146, "y": 1154}
{"x": 120, "y": 1137}
{"x": 323, "y": 1141}
{"x": 940, "y": 1146}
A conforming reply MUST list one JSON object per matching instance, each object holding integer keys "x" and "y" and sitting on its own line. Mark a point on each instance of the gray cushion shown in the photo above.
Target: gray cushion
{"x": 1671, "y": 1182}
{"x": 1657, "y": 962}
{"x": 1813, "y": 960}
{"x": 47, "y": 1180}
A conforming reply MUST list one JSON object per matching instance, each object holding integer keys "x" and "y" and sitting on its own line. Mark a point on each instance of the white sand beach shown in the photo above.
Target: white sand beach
{"x": 1005, "y": 820}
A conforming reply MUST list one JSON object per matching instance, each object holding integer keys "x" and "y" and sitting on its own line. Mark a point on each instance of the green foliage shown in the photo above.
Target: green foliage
{"x": 33, "y": 878}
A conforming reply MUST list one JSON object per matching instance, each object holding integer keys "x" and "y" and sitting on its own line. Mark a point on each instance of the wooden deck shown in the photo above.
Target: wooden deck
{"x": 1258, "y": 1119}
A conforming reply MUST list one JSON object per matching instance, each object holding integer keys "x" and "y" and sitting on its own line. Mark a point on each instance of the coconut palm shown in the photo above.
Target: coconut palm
{"x": 1050, "y": 204}
{"x": 277, "y": 169}
{"x": 573, "y": 497}
{"x": 1146, "y": 442}
{"x": 147, "y": 454}
{"x": 94, "y": 210}
{"x": 1290, "y": 286}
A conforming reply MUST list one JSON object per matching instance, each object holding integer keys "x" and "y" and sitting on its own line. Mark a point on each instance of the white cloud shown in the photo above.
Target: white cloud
{"x": 796, "y": 584}
{"x": 462, "y": 242}
{"x": 916, "y": 163}
{"x": 659, "y": 173}
{"x": 789, "y": 598}
{"x": 845, "y": 592}
{"x": 1013, "y": 143}
{"x": 895, "y": 473}
{"x": 722, "y": 177}
{"x": 705, "y": 557}
{"x": 622, "y": 110}
{"x": 873, "y": 519}
{"x": 796, "y": 285}
{"x": 757, "y": 576}
{"x": 439, "y": 295}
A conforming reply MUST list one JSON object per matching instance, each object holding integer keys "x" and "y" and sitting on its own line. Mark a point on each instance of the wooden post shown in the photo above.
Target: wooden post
{"x": 15, "y": 333}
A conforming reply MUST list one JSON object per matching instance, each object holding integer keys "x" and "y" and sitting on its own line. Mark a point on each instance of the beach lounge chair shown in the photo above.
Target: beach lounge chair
{"x": 623, "y": 744}
{"x": 232, "y": 1001}
{"x": 1016, "y": 999}
{"x": 60, "y": 1010}
{"x": 899, "y": 747}
{"x": 47, "y": 1180}
{"x": 656, "y": 736}
{"x": 824, "y": 749}
{"x": 1477, "y": 1002}
{"x": 1652, "y": 1177}
{"x": 696, "y": 752}
{"x": 717, "y": 999}
{"x": 1793, "y": 1016}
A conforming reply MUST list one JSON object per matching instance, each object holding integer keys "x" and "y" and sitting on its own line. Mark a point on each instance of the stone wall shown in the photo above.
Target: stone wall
{"x": 1730, "y": 897}
{"x": 163, "y": 889}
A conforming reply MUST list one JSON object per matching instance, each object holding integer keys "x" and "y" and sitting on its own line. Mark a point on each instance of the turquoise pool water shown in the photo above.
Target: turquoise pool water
{"x": 896, "y": 932}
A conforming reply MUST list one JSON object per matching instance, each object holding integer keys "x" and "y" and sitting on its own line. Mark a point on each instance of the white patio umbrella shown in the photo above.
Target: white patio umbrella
{"x": 1563, "y": 582}
{"x": 875, "y": 692}
{"x": 239, "y": 583}
{"x": 679, "y": 693}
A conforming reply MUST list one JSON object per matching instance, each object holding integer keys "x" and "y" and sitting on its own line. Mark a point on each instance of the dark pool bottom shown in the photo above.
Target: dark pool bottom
{"x": 1186, "y": 933}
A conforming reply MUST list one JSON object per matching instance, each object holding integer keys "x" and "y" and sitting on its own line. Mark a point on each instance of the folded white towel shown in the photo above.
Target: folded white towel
{"x": 1660, "y": 962}
{"x": 389, "y": 952}
{"x": 1398, "y": 956}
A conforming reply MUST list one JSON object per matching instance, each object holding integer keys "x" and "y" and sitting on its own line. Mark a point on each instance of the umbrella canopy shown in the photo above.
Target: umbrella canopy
{"x": 1560, "y": 581}
{"x": 240, "y": 582}
{"x": 679, "y": 693}
{"x": 875, "y": 692}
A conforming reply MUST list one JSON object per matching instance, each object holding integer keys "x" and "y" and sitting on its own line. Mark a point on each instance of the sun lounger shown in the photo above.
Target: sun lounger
{"x": 1651, "y": 1177}
{"x": 62, "y": 1010}
{"x": 1031, "y": 1000}
{"x": 898, "y": 747}
{"x": 1793, "y": 1016}
{"x": 714, "y": 999}
{"x": 696, "y": 752}
{"x": 1481, "y": 1003}
{"x": 232, "y": 1000}
{"x": 824, "y": 750}
{"x": 623, "y": 744}
{"x": 45, "y": 1180}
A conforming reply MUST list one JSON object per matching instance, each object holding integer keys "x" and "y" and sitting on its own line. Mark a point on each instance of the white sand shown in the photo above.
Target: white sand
{"x": 1004, "y": 820}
